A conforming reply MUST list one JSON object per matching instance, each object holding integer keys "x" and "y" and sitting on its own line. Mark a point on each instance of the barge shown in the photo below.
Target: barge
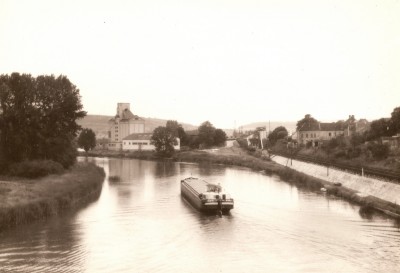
{"x": 206, "y": 197}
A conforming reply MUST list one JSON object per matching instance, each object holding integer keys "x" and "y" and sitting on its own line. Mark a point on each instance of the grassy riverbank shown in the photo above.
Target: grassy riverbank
{"x": 26, "y": 200}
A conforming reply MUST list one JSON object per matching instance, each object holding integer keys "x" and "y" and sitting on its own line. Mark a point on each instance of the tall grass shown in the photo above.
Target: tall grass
{"x": 29, "y": 200}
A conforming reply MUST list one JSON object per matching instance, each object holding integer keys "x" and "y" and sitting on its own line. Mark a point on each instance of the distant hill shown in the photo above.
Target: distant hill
{"x": 289, "y": 125}
{"x": 99, "y": 124}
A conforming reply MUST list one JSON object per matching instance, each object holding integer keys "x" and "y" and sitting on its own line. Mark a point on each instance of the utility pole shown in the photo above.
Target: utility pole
{"x": 269, "y": 127}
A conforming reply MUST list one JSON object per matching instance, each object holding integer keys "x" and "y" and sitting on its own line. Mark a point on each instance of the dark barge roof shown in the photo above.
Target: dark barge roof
{"x": 197, "y": 184}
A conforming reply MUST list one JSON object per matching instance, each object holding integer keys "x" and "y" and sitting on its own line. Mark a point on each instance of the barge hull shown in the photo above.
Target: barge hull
{"x": 192, "y": 196}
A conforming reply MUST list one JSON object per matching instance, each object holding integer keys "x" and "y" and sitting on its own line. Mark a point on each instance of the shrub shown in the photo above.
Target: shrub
{"x": 36, "y": 168}
{"x": 340, "y": 154}
{"x": 353, "y": 152}
{"x": 333, "y": 143}
{"x": 114, "y": 178}
{"x": 242, "y": 142}
{"x": 379, "y": 151}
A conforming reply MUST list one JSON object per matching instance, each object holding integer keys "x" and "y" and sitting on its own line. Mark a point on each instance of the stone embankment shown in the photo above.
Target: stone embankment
{"x": 362, "y": 185}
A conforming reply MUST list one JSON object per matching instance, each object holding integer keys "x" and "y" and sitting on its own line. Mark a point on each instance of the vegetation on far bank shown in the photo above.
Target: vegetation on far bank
{"x": 359, "y": 148}
{"x": 164, "y": 138}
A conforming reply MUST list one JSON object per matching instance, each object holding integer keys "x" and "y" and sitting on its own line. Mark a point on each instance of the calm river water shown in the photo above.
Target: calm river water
{"x": 142, "y": 224}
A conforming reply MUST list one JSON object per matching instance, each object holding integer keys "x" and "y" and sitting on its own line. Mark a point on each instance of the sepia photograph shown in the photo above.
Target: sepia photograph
{"x": 200, "y": 136}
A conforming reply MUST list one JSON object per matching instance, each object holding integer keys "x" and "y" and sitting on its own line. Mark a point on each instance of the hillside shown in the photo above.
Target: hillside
{"x": 289, "y": 125}
{"x": 99, "y": 124}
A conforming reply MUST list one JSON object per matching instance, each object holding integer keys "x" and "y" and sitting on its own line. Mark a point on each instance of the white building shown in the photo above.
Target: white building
{"x": 230, "y": 142}
{"x": 142, "y": 142}
{"x": 122, "y": 125}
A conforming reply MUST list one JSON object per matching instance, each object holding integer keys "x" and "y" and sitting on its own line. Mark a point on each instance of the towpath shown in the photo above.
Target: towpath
{"x": 384, "y": 190}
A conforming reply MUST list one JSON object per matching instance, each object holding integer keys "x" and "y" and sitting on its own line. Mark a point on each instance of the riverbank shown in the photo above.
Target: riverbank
{"x": 382, "y": 195}
{"x": 27, "y": 200}
{"x": 235, "y": 156}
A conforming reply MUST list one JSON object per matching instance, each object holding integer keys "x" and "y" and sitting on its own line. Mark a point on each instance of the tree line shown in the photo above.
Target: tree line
{"x": 38, "y": 118}
{"x": 164, "y": 137}
{"x": 359, "y": 143}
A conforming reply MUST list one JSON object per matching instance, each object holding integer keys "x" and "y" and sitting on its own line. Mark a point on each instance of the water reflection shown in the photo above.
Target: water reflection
{"x": 142, "y": 224}
{"x": 54, "y": 244}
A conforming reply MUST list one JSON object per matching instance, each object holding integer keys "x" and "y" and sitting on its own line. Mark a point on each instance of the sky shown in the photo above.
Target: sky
{"x": 228, "y": 62}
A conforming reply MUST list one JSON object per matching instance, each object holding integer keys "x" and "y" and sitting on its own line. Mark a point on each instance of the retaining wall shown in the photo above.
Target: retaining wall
{"x": 364, "y": 185}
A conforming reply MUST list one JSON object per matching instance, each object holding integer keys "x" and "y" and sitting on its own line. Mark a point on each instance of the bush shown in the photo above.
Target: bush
{"x": 353, "y": 152}
{"x": 340, "y": 154}
{"x": 36, "y": 168}
{"x": 242, "y": 143}
{"x": 114, "y": 178}
{"x": 379, "y": 151}
{"x": 333, "y": 143}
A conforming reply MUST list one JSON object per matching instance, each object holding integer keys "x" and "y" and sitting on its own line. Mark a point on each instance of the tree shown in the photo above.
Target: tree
{"x": 395, "y": 121}
{"x": 206, "y": 134}
{"x": 356, "y": 139}
{"x": 306, "y": 123}
{"x": 177, "y": 130}
{"x": 163, "y": 139}
{"x": 278, "y": 133}
{"x": 173, "y": 126}
{"x": 378, "y": 129}
{"x": 379, "y": 151}
{"x": 87, "y": 139}
{"x": 38, "y": 118}
{"x": 219, "y": 137}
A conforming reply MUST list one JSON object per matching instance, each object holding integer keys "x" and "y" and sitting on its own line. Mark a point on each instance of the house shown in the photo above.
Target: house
{"x": 352, "y": 126}
{"x": 315, "y": 133}
{"x": 122, "y": 125}
{"x": 142, "y": 142}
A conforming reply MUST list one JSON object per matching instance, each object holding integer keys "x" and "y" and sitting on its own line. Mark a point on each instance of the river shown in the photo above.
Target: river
{"x": 141, "y": 224}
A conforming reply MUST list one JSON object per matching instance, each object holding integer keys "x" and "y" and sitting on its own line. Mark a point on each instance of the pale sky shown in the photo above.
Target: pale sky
{"x": 222, "y": 61}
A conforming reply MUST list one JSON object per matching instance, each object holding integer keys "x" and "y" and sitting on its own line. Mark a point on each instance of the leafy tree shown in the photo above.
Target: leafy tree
{"x": 38, "y": 118}
{"x": 219, "y": 137}
{"x": 395, "y": 121}
{"x": 206, "y": 134}
{"x": 306, "y": 122}
{"x": 378, "y": 129}
{"x": 243, "y": 143}
{"x": 87, "y": 139}
{"x": 278, "y": 133}
{"x": 177, "y": 130}
{"x": 163, "y": 139}
{"x": 356, "y": 139}
{"x": 379, "y": 151}
{"x": 173, "y": 126}
{"x": 192, "y": 142}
